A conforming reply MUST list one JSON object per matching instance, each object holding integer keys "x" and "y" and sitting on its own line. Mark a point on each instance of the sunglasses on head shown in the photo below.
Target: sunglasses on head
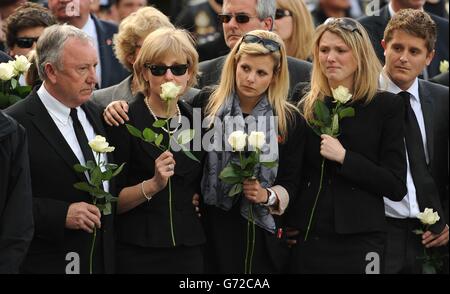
{"x": 280, "y": 13}
{"x": 270, "y": 45}
{"x": 160, "y": 70}
{"x": 26, "y": 42}
{"x": 240, "y": 17}
{"x": 344, "y": 23}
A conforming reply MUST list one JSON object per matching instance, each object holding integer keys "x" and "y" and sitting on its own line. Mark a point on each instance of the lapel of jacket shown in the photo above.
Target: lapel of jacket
{"x": 48, "y": 129}
{"x": 427, "y": 110}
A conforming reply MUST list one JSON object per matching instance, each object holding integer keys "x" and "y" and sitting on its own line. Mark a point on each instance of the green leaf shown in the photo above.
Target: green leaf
{"x": 134, "y": 131}
{"x": 118, "y": 170}
{"x": 335, "y": 124}
{"x": 23, "y": 91}
{"x": 428, "y": 268}
{"x": 189, "y": 153}
{"x": 322, "y": 113}
{"x": 346, "y": 112}
{"x": 235, "y": 190}
{"x": 159, "y": 123}
{"x": 326, "y": 130}
{"x": 149, "y": 135}
{"x": 13, "y": 99}
{"x": 83, "y": 186}
{"x": 107, "y": 210}
{"x": 14, "y": 83}
{"x": 107, "y": 175}
{"x": 90, "y": 165}
{"x": 269, "y": 164}
{"x": 99, "y": 193}
{"x": 159, "y": 139}
{"x": 231, "y": 180}
{"x": 96, "y": 176}
{"x": 111, "y": 166}
{"x": 185, "y": 136}
{"x": 80, "y": 168}
{"x": 418, "y": 232}
{"x": 228, "y": 172}
{"x": 316, "y": 123}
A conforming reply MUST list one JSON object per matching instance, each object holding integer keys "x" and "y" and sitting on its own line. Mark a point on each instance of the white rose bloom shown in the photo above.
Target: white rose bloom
{"x": 237, "y": 140}
{"x": 257, "y": 139}
{"x": 169, "y": 91}
{"x": 99, "y": 145}
{"x": 443, "y": 66}
{"x": 6, "y": 71}
{"x": 21, "y": 64}
{"x": 428, "y": 217}
{"x": 341, "y": 94}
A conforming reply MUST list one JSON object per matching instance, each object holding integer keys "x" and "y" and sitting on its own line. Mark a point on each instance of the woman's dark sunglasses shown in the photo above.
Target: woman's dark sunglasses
{"x": 270, "y": 45}
{"x": 160, "y": 70}
{"x": 280, "y": 13}
{"x": 240, "y": 17}
{"x": 344, "y": 23}
{"x": 25, "y": 42}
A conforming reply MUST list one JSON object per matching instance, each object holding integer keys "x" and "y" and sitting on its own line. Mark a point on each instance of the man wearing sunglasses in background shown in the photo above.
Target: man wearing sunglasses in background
{"x": 24, "y": 26}
{"x": 239, "y": 17}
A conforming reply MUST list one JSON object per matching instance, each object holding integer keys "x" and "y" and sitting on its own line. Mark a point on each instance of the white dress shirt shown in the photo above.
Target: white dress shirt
{"x": 60, "y": 114}
{"x": 89, "y": 28}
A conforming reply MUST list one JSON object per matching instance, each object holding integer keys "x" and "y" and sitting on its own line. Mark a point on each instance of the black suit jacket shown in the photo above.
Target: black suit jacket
{"x": 434, "y": 102}
{"x": 4, "y": 57}
{"x": 53, "y": 176}
{"x": 147, "y": 225}
{"x": 374, "y": 166}
{"x": 442, "y": 79}
{"x": 210, "y": 71}
{"x": 375, "y": 26}
{"x": 112, "y": 71}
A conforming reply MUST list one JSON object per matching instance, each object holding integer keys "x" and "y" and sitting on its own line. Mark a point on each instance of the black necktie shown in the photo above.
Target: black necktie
{"x": 423, "y": 181}
{"x": 81, "y": 136}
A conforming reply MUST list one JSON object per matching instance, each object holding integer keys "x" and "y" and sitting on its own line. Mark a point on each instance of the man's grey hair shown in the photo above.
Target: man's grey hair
{"x": 50, "y": 45}
{"x": 266, "y": 8}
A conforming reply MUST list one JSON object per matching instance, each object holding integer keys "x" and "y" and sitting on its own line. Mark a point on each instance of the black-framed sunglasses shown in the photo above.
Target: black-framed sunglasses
{"x": 270, "y": 45}
{"x": 280, "y": 13}
{"x": 240, "y": 17}
{"x": 160, "y": 70}
{"x": 345, "y": 23}
{"x": 26, "y": 42}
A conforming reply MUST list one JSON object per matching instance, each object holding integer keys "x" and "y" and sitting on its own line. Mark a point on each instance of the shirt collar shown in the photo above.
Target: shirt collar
{"x": 89, "y": 28}
{"x": 54, "y": 106}
{"x": 388, "y": 85}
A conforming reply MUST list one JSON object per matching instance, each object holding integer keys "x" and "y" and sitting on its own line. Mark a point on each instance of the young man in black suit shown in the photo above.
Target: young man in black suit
{"x": 408, "y": 45}
{"x": 376, "y": 24}
{"x": 59, "y": 120}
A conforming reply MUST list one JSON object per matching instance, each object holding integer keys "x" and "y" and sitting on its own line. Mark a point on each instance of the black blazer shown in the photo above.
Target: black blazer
{"x": 148, "y": 225}
{"x": 374, "y": 166}
{"x": 210, "y": 71}
{"x": 53, "y": 176}
{"x": 112, "y": 71}
{"x": 376, "y": 24}
{"x": 434, "y": 102}
{"x": 4, "y": 57}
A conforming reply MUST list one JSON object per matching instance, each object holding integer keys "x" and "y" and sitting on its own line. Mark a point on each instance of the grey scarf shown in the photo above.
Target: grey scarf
{"x": 228, "y": 119}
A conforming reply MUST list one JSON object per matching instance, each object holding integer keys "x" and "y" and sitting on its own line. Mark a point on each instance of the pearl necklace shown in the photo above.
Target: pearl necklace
{"x": 155, "y": 118}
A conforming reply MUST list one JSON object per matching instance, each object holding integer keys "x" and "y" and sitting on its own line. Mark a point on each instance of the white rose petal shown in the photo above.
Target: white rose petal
{"x": 21, "y": 64}
{"x": 237, "y": 140}
{"x": 6, "y": 71}
{"x": 428, "y": 217}
{"x": 99, "y": 145}
{"x": 169, "y": 91}
{"x": 341, "y": 94}
{"x": 443, "y": 66}
{"x": 257, "y": 139}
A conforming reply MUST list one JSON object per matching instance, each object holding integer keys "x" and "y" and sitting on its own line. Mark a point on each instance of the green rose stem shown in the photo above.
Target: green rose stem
{"x": 170, "y": 182}
{"x": 315, "y": 201}
{"x": 91, "y": 255}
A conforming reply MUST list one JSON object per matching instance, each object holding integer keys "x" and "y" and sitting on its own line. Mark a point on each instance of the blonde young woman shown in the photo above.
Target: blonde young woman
{"x": 365, "y": 163}
{"x": 253, "y": 88}
{"x": 153, "y": 236}
{"x": 294, "y": 24}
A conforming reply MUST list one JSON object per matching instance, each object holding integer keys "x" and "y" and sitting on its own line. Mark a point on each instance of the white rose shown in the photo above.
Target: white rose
{"x": 237, "y": 140}
{"x": 428, "y": 217}
{"x": 257, "y": 139}
{"x": 6, "y": 71}
{"x": 21, "y": 64}
{"x": 341, "y": 94}
{"x": 443, "y": 66}
{"x": 169, "y": 91}
{"x": 99, "y": 145}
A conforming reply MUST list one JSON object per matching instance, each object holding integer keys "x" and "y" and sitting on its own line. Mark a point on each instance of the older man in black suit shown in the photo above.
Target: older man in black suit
{"x": 109, "y": 71}
{"x": 376, "y": 24}
{"x": 408, "y": 45}
{"x": 238, "y": 18}
{"x": 59, "y": 120}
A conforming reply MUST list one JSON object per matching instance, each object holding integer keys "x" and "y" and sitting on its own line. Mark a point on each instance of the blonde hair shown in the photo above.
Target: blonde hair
{"x": 134, "y": 27}
{"x": 366, "y": 76}
{"x": 300, "y": 42}
{"x": 277, "y": 92}
{"x": 162, "y": 43}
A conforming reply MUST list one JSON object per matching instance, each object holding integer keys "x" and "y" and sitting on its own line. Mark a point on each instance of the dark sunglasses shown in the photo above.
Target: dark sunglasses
{"x": 280, "y": 13}
{"x": 270, "y": 45}
{"x": 344, "y": 23}
{"x": 240, "y": 17}
{"x": 26, "y": 42}
{"x": 160, "y": 70}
